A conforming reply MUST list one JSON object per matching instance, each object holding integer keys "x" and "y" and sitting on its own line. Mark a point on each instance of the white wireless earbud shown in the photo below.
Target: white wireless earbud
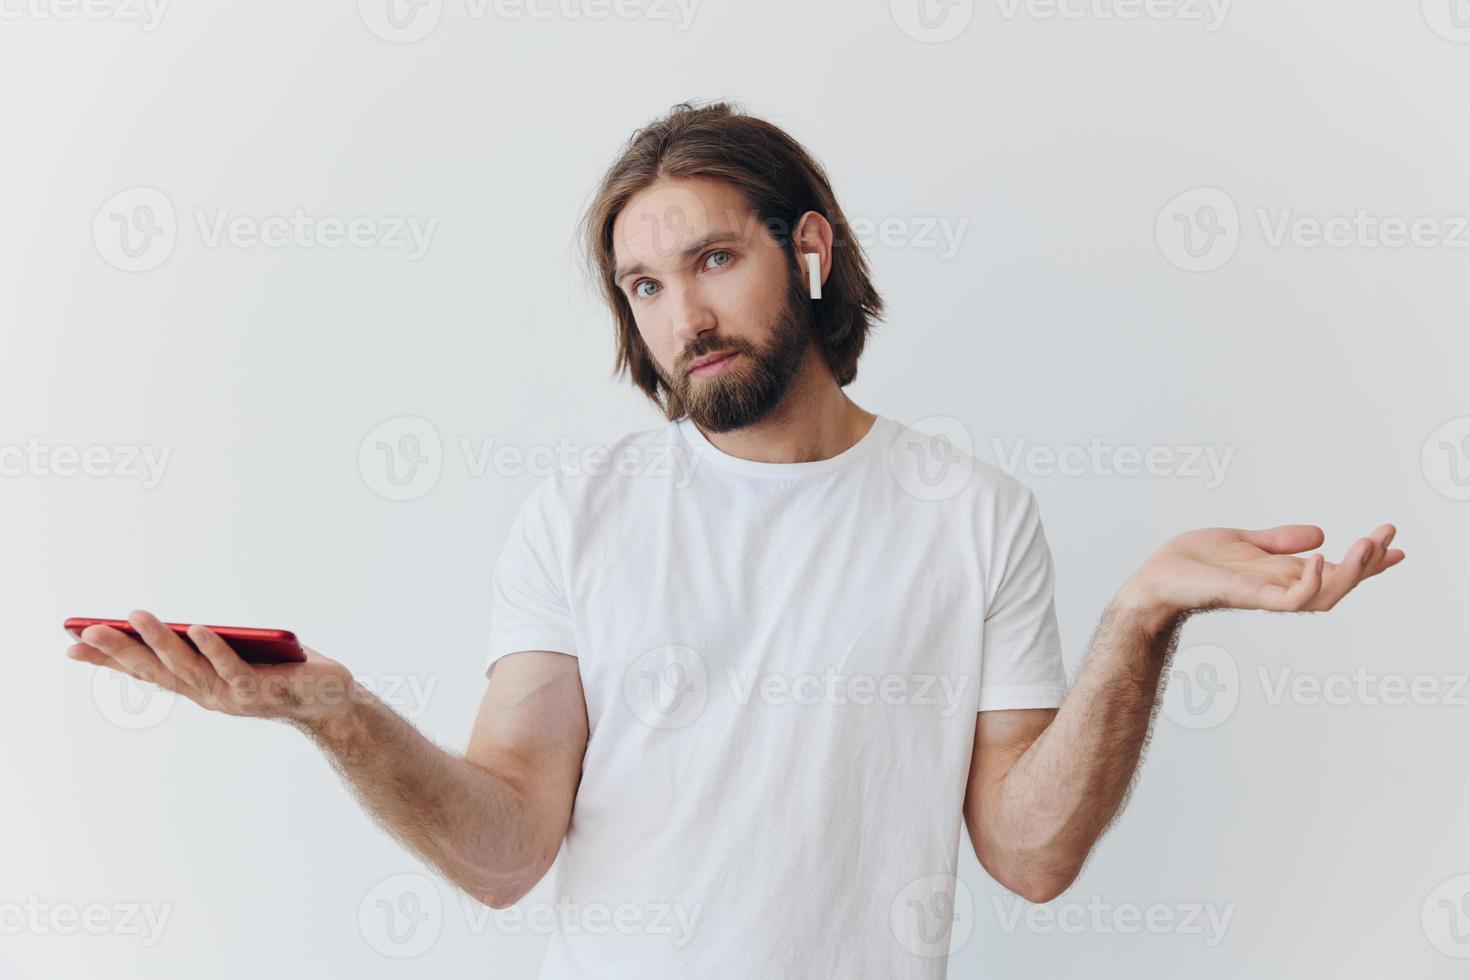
{"x": 814, "y": 274}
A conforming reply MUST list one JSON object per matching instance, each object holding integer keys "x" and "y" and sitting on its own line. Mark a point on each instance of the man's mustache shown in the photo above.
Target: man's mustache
{"x": 686, "y": 361}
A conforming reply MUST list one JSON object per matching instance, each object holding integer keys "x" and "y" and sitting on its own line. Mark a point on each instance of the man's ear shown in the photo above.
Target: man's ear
{"x": 813, "y": 236}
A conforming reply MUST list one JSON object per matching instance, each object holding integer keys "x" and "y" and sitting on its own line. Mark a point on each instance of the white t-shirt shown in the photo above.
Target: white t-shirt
{"x": 782, "y": 664}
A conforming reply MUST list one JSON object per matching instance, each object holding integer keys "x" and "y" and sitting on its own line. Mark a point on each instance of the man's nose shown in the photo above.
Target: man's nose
{"x": 692, "y": 316}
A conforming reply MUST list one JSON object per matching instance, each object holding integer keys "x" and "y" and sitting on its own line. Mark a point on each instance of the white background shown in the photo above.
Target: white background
{"x": 1330, "y": 833}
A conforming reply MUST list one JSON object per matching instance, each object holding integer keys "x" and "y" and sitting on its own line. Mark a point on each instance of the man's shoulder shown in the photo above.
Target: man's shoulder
{"x": 934, "y": 459}
{"x": 584, "y": 473}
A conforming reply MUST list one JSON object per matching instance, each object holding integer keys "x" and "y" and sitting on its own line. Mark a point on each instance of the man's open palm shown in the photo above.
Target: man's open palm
{"x": 213, "y": 676}
{"x": 1238, "y": 569}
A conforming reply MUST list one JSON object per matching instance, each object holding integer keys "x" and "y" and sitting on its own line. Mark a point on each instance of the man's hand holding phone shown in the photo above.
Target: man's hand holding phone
{"x": 214, "y": 676}
{"x": 491, "y": 820}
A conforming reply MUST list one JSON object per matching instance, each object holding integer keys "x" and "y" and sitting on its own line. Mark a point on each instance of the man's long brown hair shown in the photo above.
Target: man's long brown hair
{"x": 780, "y": 182}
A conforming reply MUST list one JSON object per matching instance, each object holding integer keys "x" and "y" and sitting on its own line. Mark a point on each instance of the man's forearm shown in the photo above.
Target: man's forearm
{"x": 470, "y": 823}
{"x": 1061, "y": 794}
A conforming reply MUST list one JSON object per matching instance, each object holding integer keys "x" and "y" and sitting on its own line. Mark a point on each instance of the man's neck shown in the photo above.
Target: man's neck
{"x": 815, "y": 420}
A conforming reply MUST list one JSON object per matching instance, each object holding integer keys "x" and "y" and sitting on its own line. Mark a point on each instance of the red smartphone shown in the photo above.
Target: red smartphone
{"x": 256, "y": 646}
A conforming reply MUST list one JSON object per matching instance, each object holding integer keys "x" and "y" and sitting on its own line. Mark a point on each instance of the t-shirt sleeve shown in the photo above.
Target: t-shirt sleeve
{"x": 529, "y": 607}
{"x": 1021, "y": 653}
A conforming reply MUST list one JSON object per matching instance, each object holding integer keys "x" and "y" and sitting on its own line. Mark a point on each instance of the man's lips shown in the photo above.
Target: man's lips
{"x": 711, "y": 362}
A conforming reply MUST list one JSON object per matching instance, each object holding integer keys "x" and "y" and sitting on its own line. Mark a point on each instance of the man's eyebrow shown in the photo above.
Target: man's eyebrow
{"x": 638, "y": 268}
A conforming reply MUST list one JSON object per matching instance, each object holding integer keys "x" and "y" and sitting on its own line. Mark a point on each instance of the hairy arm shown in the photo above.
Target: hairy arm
{"x": 493, "y": 820}
{"x": 1046, "y": 783}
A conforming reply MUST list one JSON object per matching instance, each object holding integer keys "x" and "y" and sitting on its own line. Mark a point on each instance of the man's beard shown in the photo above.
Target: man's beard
{"x": 747, "y": 390}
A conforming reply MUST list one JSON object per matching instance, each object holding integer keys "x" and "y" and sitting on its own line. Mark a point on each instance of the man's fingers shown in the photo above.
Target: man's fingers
{"x": 1292, "y": 595}
{"x": 1391, "y": 557}
{"x": 1360, "y": 556}
{"x": 88, "y": 654}
{"x": 181, "y": 659}
{"x": 1305, "y": 589}
{"x": 1376, "y": 552}
{"x": 1384, "y": 557}
{"x": 1369, "y": 556}
{"x": 226, "y": 662}
{"x": 1282, "y": 570}
{"x": 91, "y": 655}
{"x": 1383, "y": 535}
{"x": 131, "y": 657}
{"x": 1346, "y": 574}
{"x": 1287, "y": 539}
